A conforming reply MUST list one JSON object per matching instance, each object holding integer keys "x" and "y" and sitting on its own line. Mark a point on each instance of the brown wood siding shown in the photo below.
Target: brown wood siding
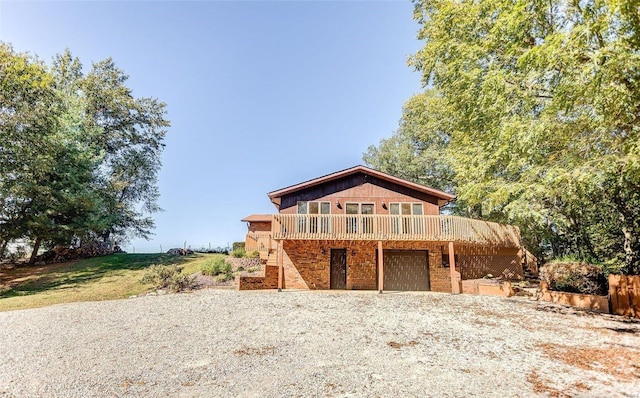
{"x": 259, "y": 226}
{"x": 359, "y": 188}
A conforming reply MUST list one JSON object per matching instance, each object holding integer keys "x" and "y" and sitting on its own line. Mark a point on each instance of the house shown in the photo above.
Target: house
{"x": 363, "y": 229}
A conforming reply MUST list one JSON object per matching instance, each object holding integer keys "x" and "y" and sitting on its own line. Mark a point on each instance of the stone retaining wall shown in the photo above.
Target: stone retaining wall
{"x": 588, "y": 301}
{"x": 268, "y": 281}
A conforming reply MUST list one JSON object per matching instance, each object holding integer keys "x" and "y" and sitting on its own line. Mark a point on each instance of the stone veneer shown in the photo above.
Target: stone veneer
{"x": 308, "y": 263}
{"x": 268, "y": 281}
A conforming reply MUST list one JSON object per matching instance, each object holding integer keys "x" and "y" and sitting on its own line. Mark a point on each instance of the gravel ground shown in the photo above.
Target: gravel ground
{"x": 229, "y": 343}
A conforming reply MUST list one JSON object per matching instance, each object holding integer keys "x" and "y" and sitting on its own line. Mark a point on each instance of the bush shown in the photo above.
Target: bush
{"x": 216, "y": 266}
{"x": 239, "y": 253}
{"x": 574, "y": 277}
{"x": 237, "y": 245}
{"x": 254, "y": 254}
{"x": 223, "y": 277}
{"x": 169, "y": 277}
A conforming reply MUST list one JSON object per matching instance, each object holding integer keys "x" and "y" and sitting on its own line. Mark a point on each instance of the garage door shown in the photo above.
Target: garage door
{"x": 406, "y": 270}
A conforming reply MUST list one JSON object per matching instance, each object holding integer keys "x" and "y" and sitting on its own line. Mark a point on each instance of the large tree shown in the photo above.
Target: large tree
{"x": 28, "y": 116}
{"x": 543, "y": 102}
{"x": 130, "y": 132}
{"x": 417, "y": 150}
{"x": 79, "y": 154}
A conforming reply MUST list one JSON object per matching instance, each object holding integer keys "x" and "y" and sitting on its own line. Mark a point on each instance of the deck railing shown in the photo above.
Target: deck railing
{"x": 258, "y": 241}
{"x": 393, "y": 227}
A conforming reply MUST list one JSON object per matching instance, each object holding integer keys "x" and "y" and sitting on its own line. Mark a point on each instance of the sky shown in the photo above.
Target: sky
{"x": 261, "y": 95}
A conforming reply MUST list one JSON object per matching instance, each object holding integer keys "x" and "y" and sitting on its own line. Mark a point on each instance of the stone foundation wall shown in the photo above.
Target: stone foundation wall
{"x": 307, "y": 264}
{"x": 312, "y": 261}
{"x": 440, "y": 277}
{"x": 268, "y": 281}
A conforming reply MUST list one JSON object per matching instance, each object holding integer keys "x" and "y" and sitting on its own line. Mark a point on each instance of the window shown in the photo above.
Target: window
{"x": 318, "y": 219}
{"x": 361, "y": 222}
{"x": 406, "y": 222}
{"x": 406, "y": 209}
{"x": 314, "y": 208}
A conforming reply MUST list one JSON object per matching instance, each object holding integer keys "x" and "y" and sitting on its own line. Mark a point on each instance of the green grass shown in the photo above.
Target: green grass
{"x": 102, "y": 278}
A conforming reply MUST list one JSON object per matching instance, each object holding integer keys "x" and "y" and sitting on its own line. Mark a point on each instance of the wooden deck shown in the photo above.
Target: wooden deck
{"x": 393, "y": 227}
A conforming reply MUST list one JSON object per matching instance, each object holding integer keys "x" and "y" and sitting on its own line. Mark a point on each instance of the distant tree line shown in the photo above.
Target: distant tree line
{"x": 531, "y": 115}
{"x": 79, "y": 154}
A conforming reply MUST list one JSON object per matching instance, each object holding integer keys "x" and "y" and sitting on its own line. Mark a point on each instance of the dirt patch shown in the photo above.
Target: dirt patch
{"x": 250, "y": 351}
{"x": 14, "y": 274}
{"x": 541, "y": 385}
{"x": 622, "y": 363}
{"x": 393, "y": 344}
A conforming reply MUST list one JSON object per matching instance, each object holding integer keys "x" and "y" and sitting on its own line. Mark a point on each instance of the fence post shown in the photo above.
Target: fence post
{"x": 621, "y": 303}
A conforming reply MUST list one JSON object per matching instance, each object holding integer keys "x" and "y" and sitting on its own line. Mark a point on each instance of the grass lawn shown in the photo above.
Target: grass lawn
{"x": 102, "y": 278}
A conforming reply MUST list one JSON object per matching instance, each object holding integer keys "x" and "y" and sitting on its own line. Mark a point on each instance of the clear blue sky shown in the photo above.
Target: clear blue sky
{"x": 260, "y": 95}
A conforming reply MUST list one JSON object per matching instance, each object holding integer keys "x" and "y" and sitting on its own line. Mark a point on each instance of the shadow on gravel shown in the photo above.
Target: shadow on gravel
{"x": 566, "y": 310}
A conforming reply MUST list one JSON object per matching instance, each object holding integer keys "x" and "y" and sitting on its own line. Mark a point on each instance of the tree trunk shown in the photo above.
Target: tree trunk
{"x": 630, "y": 247}
{"x": 3, "y": 247}
{"x": 36, "y": 247}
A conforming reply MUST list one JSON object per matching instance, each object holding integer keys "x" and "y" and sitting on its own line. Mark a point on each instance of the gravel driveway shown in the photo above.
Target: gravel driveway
{"x": 248, "y": 344}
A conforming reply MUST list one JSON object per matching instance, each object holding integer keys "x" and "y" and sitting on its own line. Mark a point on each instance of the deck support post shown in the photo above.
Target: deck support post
{"x": 280, "y": 267}
{"x": 380, "y": 268}
{"x": 455, "y": 285}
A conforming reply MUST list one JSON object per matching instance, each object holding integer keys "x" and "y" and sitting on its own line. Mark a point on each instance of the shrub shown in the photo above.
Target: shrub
{"x": 237, "y": 245}
{"x": 215, "y": 266}
{"x": 254, "y": 254}
{"x": 574, "y": 277}
{"x": 223, "y": 277}
{"x": 240, "y": 269}
{"x": 239, "y": 253}
{"x": 168, "y": 277}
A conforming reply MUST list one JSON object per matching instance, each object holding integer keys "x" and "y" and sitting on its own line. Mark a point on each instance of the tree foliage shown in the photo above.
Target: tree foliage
{"x": 415, "y": 151}
{"x": 542, "y": 107}
{"x": 79, "y": 154}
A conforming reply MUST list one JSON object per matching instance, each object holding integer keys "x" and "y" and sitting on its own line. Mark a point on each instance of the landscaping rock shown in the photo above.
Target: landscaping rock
{"x": 61, "y": 254}
{"x": 179, "y": 252}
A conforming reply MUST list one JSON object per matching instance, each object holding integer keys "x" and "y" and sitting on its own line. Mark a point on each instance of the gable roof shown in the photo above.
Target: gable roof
{"x": 258, "y": 218}
{"x": 443, "y": 197}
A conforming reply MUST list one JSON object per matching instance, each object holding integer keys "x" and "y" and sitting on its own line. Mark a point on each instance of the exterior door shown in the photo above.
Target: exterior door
{"x": 338, "y": 269}
{"x": 406, "y": 270}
